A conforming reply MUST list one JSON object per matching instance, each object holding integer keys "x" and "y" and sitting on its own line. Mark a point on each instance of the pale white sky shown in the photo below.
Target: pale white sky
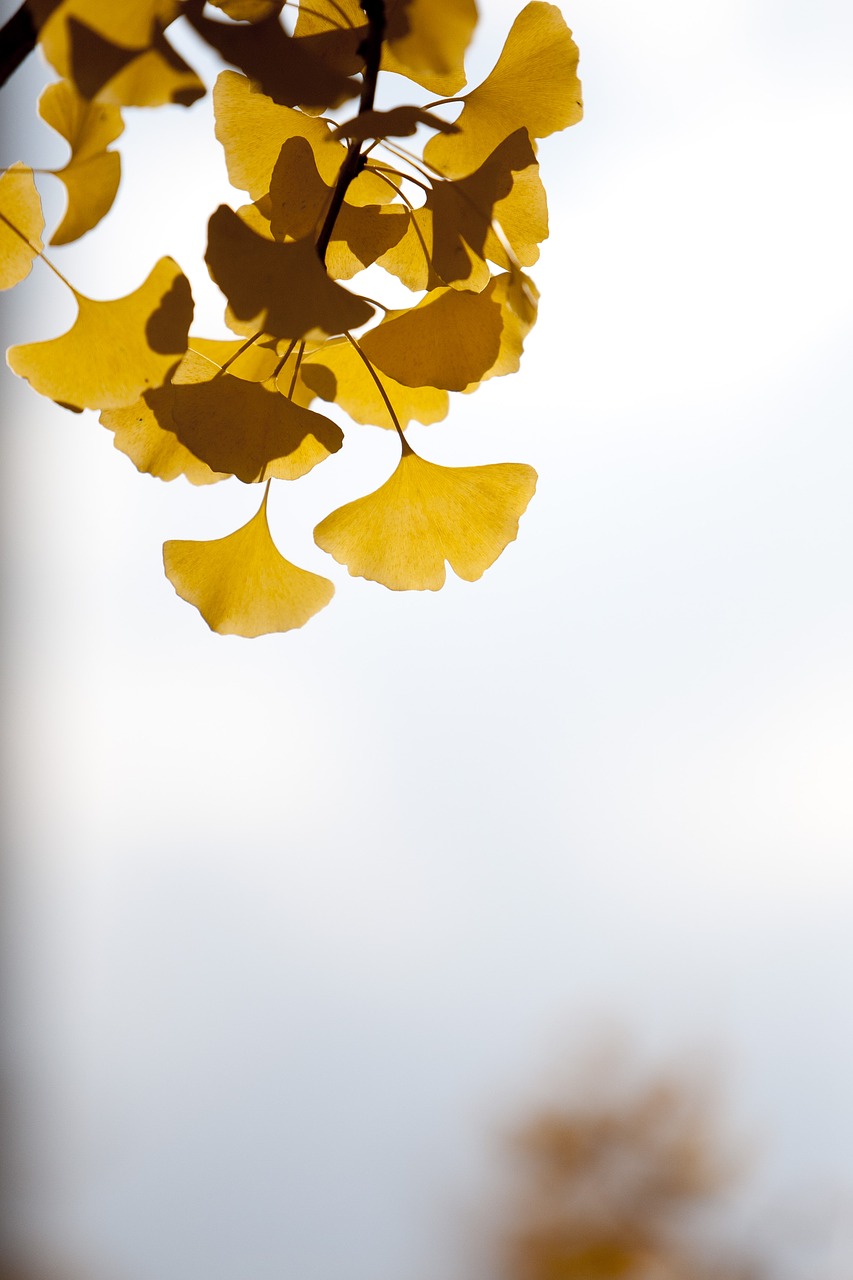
{"x": 303, "y": 918}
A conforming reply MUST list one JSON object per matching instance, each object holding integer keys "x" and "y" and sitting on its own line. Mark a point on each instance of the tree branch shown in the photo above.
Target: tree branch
{"x": 354, "y": 161}
{"x": 17, "y": 40}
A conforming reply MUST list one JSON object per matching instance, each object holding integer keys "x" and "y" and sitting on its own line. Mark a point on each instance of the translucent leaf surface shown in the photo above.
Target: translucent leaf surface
{"x": 248, "y": 10}
{"x": 534, "y": 83}
{"x": 116, "y": 52}
{"x": 21, "y": 225}
{"x": 336, "y": 373}
{"x": 247, "y": 428}
{"x": 152, "y": 448}
{"x": 448, "y": 340}
{"x": 115, "y": 350}
{"x": 252, "y": 130}
{"x": 242, "y": 585}
{"x": 280, "y": 289}
{"x": 402, "y": 534}
{"x": 91, "y": 176}
{"x": 427, "y": 40}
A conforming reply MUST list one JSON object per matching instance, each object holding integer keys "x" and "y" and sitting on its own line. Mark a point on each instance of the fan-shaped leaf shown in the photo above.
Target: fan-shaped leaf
{"x": 21, "y": 225}
{"x": 247, "y": 428}
{"x": 402, "y": 534}
{"x": 448, "y": 340}
{"x": 114, "y": 350}
{"x": 139, "y": 433}
{"x": 242, "y": 585}
{"x": 534, "y": 83}
{"x": 91, "y": 176}
{"x": 281, "y": 289}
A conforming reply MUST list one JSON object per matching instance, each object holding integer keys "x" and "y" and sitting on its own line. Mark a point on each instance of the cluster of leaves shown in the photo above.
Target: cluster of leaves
{"x": 457, "y": 224}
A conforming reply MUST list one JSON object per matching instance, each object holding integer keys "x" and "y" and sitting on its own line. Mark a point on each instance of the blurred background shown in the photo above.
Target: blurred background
{"x": 504, "y": 932}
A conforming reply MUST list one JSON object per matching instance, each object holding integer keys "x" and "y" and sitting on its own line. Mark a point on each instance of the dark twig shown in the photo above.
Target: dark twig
{"x": 17, "y": 40}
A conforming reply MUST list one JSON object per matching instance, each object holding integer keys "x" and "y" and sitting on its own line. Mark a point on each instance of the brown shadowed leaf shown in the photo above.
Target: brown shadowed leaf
{"x": 280, "y": 289}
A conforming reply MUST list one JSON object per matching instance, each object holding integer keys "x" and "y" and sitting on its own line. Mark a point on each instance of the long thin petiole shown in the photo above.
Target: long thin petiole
{"x": 384, "y": 394}
{"x": 245, "y": 347}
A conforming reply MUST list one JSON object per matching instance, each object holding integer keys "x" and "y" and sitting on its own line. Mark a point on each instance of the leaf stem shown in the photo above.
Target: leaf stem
{"x": 39, "y": 254}
{"x": 245, "y": 347}
{"x": 384, "y": 394}
{"x": 354, "y": 161}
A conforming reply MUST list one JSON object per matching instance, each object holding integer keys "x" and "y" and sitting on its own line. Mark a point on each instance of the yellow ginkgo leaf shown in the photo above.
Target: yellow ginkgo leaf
{"x": 337, "y": 374}
{"x": 448, "y": 340}
{"x": 92, "y": 175}
{"x": 117, "y": 53}
{"x": 153, "y": 448}
{"x": 115, "y": 350}
{"x": 247, "y": 428}
{"x": 426, "y": 514}
{"x": 248, "y": 10}
{"x": 21, "y": 225}
{"x": 427, "y": 40}
{"x": 281, "y": 289}
{"x": 145, "y": 430}
{"x": 533, "y": 84}
{"x": 252, "y": 130}
{"x": 410, "y": 259}
{"x": 518, "y": 298}
{"x": 463, "y": 210}
{"x": 242, "y": 585}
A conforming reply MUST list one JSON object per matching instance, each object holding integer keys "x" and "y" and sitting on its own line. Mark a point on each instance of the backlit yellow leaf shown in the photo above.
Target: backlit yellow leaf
{"x": 145, "y": 430}
{"x": 114, "y": 350}
{"x": 247, "y": 428}
{"x": 152, "y": 448}
{"x": 448, "y": 340}
{"x": 116, "y": 52}
{"x": 427, "y": 40}
{"x": 21, "y": 225}
{"x": 336, "y": 373}
{"x": 281, "y": 289}
{"x": 248, "y": 10}
{"x": 91, "y": 176}
{"x": 402, "y": 534}
{"x": 252, "y": 130}
{"x": 242, "y": 585}
{"x": 534, "y": 83}
{"x": 518, "y": 298}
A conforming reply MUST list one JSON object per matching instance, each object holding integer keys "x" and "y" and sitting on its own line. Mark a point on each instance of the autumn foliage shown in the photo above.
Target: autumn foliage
{"x": 333, "y": 186}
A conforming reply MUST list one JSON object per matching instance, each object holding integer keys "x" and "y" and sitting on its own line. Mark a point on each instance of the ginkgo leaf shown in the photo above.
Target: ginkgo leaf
{"x": 242, "y": 585}
{"x": 337, "y": 374}
{"x": 410, "y": 259}
{"x": 533, "y": 84}
{"x": 247, "y": 428}
{"x": 299, "y": 198}
{"x": 281, "y": 289}
{"x": 427, "y": 40}
{"x": 399, "y": 122}
{"x": 21, "y": 225}
{"x": 426, "y": 514}
{"x": 518, "y": 298}
{"x": 114, "y": 350}
{"x": 290, "y": 71}
{"x": 252, "y": 130}
{"x": 151, "y": 447}
{"x": 462, "y": 212}
{"x": 92, "y": 174}
{"x": 117, "y": 53}
{"x": 448, "y": 340}
{"x": 145, "y": 430}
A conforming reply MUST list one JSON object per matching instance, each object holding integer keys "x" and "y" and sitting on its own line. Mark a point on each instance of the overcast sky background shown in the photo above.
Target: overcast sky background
{"x": 301, "y": 922}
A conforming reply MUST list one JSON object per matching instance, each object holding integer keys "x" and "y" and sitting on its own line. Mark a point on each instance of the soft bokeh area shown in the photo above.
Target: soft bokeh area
{"x": 300, "y": 930}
